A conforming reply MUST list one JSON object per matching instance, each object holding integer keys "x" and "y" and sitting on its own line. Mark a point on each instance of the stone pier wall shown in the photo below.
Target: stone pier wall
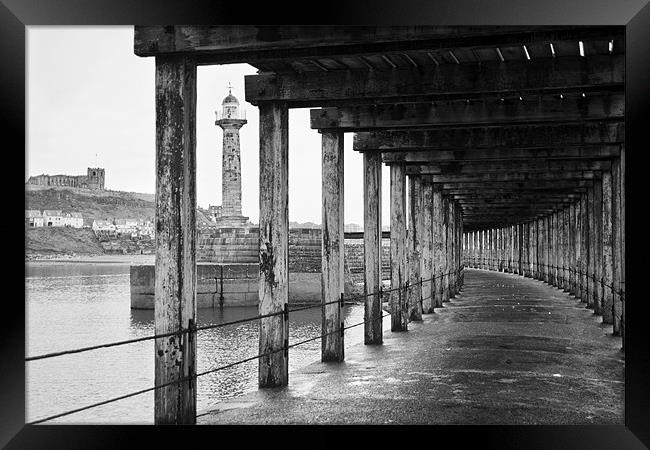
{"x": 234, "y": 251}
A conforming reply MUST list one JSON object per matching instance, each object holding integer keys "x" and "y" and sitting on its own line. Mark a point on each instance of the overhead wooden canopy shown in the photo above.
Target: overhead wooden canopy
{"x": 511, "y": 121}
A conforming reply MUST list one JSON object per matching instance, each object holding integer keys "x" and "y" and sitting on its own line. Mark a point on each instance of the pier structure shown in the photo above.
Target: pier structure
{"x": 506, "y": 148}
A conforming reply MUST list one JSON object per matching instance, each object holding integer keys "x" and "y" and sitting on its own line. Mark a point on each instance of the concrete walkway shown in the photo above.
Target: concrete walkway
{"x": 507, "y": 350}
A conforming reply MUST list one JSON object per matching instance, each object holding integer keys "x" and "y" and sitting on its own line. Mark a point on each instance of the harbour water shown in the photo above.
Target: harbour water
{"x": 72, "y": 304}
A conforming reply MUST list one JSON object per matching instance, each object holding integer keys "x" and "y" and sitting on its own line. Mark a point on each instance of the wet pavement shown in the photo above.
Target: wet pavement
{"x": 506, "y": 350}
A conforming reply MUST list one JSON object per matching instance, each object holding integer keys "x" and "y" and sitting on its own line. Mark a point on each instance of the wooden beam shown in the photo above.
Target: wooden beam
{"x": 241, "y": 43}
{"x": 459, "y": 114}
{"x": 332, "y": 247}
{"x": 175, "y": 266}
{"x": 516, "y": 77}
{"x": 372, "y": 234}
{"x": 514, "y": 186}
{"x": 503, "y": 155}
{"x": 506, "y": 177}
{"x": 531, "y": 166}
{"x": 274, "y": 244}
{"x": 506, "y": 137}
{"x": 398, "y": 307}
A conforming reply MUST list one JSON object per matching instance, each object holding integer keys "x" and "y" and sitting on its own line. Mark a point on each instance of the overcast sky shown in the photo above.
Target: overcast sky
{"x": 90, "y": 103}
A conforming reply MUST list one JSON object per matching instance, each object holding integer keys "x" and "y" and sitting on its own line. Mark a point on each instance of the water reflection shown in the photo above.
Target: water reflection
{"x": 75, "y": 304}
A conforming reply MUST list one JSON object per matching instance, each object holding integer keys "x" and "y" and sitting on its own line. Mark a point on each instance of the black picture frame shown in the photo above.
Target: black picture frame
{"x": 15, "y": 15}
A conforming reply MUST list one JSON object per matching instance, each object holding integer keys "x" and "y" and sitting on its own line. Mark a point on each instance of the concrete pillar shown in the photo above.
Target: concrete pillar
{"x": 274, "y": 243}
{"x": 332, "y": 281}
{"x": 175, "y": 266}
{"x": 373, "y": 329}
{"x": 398, "y": 270}
{"x": 520, "y": 249}
{"x": 415, "y": 225}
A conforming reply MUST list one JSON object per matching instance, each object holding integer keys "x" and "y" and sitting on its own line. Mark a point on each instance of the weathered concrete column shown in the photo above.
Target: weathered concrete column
{"x": 426, "y": 267}
{"x": 520, "y": 248}
{"x": 491, "y": 248}
{"x": 274, "y": 243}
{"x": 607, "y": 265}
{"x": 332, "y": 281}
{"x": 598, "y": 245}
{"x": 438, "y": 242}
{"x": 452, "y": 249}
{"x": 616, "y": 243}
{"x": 373, "y": 330}
{"x": 414, "y": 234}
{"x": 398, "y": 244}
{"x": 175, "y": 266}
{"x": 527, "y": 272}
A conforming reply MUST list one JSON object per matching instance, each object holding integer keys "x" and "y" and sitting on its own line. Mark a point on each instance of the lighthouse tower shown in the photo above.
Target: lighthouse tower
{"x": 231, "y": 118}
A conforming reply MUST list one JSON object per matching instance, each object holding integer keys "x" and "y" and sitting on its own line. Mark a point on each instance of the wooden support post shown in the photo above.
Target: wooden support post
{"x": 553, "y": 249}
{"x": 607, "y": 267}
{"x": 578, "y": 249}
{"x": 398, "y": 273}
{"x": 426, "y": 267}
{"x": 438, "y": 242}
{"x": 446, "y": 265}
{"x": 622, "y": 236}
{"x": 332, "y": 281}
{"x": 598, "y": 245}
{"x": 616, "y": 244}
{"x": 175, "y": 266}
{"x": 520, "y": 248}
{"x": 591, "y": 253}
{"x": 274, "y": 243}
{"x": 562, "y": 248}
{"x": 584, "y": 252}
{"x": 415, "y": 249}
{"x": 373, "y": 330}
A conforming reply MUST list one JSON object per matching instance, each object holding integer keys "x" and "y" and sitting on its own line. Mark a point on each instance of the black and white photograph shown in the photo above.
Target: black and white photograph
{"x": 281, "y": 225}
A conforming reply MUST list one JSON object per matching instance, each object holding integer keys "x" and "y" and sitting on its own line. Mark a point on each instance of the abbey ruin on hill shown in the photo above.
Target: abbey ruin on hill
{"x": 94, "y": 179}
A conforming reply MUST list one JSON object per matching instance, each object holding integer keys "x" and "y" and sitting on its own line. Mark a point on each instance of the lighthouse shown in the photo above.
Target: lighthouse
{"x": 231, "y": 118}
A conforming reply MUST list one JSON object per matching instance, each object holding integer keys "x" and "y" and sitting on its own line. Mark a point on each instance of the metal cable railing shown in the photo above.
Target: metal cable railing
{"x": 194, "y": 329}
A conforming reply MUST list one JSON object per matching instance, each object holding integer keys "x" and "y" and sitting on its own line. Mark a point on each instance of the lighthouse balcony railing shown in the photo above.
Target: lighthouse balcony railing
{"x": 238, "y": 115}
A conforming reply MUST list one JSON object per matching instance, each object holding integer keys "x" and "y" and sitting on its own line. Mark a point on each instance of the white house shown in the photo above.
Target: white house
{"x": 126, "y": 226}
{"x": 103, "y": 226}
{"x": 52, "y": 218}
{"x": 33, "y": 218}
{"x": 74, "y": 220}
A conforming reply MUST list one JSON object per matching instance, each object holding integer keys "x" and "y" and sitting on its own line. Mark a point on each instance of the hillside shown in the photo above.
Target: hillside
{"x": 57, "y": 241}
{"x": 92, "y": 204}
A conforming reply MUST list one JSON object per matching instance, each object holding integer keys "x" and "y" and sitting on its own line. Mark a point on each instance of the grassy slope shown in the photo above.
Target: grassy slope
{"x": 59, "y": 240}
